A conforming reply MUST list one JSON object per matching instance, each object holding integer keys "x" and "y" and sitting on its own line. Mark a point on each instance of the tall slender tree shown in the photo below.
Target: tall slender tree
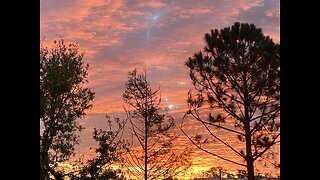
{"x": 155, "y": 157}
{"x": 62, "y": 101}
{"x": 237, "y": 82}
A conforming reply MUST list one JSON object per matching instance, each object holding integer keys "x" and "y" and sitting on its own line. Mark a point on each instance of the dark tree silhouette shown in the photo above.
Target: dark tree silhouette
{"x": 62, "y": 101}
{"x": 156, "y": 157}
{"x": 237, "y": 82}
{"x": 217, "y": 172}
{"x": 110, "y": 152}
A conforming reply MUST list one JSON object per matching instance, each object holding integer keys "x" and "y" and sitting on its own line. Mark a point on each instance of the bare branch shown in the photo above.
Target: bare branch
{"x": 218, "y": 126}
{"x": 222, "y": 141}
{"x": 135, "y": 133}
{"x": 209, "y": 151}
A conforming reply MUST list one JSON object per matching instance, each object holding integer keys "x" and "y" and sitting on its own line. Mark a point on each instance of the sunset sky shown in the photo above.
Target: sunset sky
{"x": 118, "y": 36}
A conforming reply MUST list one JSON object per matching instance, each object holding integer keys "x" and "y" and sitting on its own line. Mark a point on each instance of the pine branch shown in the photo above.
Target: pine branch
{"x": 268, "y": 147}
{"x": 259, "y": 125}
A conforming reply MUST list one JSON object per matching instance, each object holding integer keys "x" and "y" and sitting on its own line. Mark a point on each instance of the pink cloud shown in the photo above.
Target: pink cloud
{"x": 273, "y": 13}
{"x": 153, "y": 4}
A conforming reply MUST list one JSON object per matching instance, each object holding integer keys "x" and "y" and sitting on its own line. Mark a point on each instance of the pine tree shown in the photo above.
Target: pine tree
{"x": 237, "y": 78}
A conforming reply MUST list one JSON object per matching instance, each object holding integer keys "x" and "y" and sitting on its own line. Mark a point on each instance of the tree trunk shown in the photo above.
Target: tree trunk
{"x": 145, "y": 160}
{"x": 43, "y": 174}
{"x": 44, "y": 166}
{"x": 44, "y": 159}
{"x": 249, "y": 158}
{"x": 246, "y": 123}
{"x": 146, "y": 142}
{"x": 250, "y": 169}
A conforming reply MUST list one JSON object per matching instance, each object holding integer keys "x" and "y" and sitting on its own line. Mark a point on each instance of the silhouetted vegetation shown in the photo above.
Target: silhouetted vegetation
{"x": 237, "y": 78}
{"x": 62, "y": 101}
{"x": 155, "y": 158}
{"x": 110, "y": 152}
{"x": 217, "y": 172}
{"x": 220, "y": 172}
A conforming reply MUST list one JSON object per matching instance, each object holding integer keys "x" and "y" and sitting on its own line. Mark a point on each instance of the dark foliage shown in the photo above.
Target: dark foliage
{"x": 62, "y": 101}
{"x": 110, "y": 151}
{"x": 237, "y": 79}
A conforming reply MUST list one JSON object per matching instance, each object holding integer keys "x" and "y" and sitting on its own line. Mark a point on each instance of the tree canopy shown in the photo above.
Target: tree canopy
{"x": 236, "y": 80}
{"x": 63, "y": 100}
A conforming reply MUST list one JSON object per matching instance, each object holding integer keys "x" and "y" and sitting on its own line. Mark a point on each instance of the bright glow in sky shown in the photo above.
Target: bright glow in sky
{"x": 118, "y": 36}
